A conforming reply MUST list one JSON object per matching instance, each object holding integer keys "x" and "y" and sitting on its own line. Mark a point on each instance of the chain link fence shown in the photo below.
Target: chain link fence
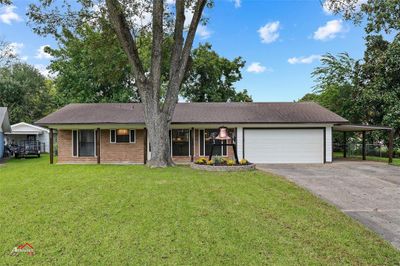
{"x": 355, "y": 149}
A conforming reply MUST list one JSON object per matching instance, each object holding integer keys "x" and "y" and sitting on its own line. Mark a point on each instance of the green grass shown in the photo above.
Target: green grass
{"x": 396, "y": 161}
{"x": 113, "y": 215}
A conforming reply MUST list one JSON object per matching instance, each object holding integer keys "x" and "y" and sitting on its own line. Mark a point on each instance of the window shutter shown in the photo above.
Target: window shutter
{"x": 112, "y": 136}
{"x": 74, "y": 143}
{"x": 132, "y": 136}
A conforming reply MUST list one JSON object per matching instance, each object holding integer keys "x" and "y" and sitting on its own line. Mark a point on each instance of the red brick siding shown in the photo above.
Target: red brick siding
{"x": 65, "y": 149}
{"x": 119, "y": 152}
{"x": 122, "y": 152}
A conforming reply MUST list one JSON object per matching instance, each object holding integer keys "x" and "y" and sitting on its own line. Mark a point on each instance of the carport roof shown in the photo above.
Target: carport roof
{"x": 358, "y": 128}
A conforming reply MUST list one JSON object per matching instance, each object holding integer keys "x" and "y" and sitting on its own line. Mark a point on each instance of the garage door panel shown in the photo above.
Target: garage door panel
{"x": 284, "y": 145}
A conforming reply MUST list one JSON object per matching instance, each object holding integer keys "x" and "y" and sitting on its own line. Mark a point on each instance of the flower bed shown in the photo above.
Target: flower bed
{"x": 222, "y": 165}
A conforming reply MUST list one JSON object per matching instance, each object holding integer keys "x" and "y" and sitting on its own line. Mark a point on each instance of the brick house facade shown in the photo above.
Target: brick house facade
{"x": 127, "y": 153}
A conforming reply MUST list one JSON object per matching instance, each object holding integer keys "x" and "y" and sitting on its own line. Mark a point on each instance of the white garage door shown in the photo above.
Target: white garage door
{"x": 284, "y": 145}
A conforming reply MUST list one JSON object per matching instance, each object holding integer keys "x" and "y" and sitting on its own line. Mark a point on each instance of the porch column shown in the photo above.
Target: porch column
{"x": 390, "y": 145}
{"x": 98, "y": 152}
{"x": 51, "y": 139}
{"x": 239, "y": 142}
{"x": 344, "y": 144}
{"x": 364, "y": 151}
{"x": 145, "y": 146}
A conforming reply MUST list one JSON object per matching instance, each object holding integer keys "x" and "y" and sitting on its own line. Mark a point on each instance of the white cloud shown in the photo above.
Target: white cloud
{"x": 256, "y": 67}
{"x": 328, "y": 6}
{"x": 269, "y": 32}
{"x": 7, "y": 15}
{"x": 329, "y": 31}
{"x": 15, "y": 48}
{"x": 237, "y": 3}
{"x": 203, "y": 32}
{"x": 304, "y": 59}
{"x": 43, "y": 70}
{"x": 41, "y": 54}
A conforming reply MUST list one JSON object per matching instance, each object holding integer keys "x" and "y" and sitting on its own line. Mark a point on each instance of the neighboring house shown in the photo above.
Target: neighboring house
{"x": 26, "y": 132}
{"x": 4, "y": 127}
{"x": 264, "y": 132}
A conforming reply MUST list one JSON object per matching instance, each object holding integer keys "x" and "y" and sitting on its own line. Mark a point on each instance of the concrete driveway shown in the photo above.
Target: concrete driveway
{"x": 367, "y": 191}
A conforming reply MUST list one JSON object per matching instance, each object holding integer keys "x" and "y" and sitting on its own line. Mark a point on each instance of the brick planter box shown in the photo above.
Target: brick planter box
{"x": 214, "y": 168}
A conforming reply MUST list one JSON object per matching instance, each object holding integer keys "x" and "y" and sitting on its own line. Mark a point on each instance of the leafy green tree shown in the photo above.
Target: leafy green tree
{"x": 25, "y": 92}
{"x": 7, "y": 55}
{"x": 336, "y": 87}
{"x": 158, "y": 96}
{"x": 92, "y": 67}
{"x": 380, "y": 14}
{"x": 212, "y": 77}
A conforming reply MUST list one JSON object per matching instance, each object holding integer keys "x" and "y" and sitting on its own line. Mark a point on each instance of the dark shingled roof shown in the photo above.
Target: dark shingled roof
{"x": 225, "y": 113}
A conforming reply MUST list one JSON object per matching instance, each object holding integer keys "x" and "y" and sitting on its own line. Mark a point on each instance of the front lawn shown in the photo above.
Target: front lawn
{"x": 111, "y": 215}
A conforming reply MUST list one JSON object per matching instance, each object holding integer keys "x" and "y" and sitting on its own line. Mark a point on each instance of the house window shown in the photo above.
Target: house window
{"x": 86, "y": 143}
{"x": 180, "y": 142}
{"x": 122, "y": 136}
{"x": 207, "y": 137}
{"x": 83, "y": 143}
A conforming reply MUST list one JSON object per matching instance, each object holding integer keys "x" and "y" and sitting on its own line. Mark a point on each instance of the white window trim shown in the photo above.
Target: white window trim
{"x": 204, "y": 144}
{"x": 130, "y": 140}
{"x": 77, "y": 143}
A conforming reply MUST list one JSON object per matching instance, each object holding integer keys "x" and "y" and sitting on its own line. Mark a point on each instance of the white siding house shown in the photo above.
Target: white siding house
{"x": 24, "y": 131}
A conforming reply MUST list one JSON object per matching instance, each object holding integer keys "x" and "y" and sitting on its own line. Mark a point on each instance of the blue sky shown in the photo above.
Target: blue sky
{"x": 281, "y": 41}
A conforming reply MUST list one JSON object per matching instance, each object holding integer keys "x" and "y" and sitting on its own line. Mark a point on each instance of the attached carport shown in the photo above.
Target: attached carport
{"x": 345, "y": 128}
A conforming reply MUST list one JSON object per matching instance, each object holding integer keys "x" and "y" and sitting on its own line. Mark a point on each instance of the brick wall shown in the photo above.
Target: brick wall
{"x": 122, "y": 152}
{"x": 119, "y": 152}
{"x": 65, "y": 149}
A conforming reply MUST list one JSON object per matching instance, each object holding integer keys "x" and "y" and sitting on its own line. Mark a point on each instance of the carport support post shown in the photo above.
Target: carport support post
{"x": 51, "y": 136}
{"x": 390, "y": 144}
{"x": 364, "y": 151}
{"x": 344, "y": 144}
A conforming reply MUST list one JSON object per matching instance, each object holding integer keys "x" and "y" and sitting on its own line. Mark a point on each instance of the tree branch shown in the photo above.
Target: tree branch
{"x": 190, "y": 37}
{"x": 128, "y": 43}
{"x": 156, "y": 52}
{"x": 177, "y": 77}
{"x": 178, "y": 39}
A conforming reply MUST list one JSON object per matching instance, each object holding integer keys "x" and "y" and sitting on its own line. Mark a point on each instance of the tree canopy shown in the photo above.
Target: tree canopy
{"x": 92, "y": 67}
{"x": 363, "y": 91}
{"x": 26, "y": 92}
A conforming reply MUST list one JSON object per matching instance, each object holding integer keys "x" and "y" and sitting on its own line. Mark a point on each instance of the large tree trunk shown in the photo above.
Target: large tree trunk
{"x": 158, "y": 126}
{"x": 158, "y": 112}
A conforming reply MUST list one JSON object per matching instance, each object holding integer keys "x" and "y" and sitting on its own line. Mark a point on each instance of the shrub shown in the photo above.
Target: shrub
{"x": 243, "y": 162}
{"x": 201, "y": 161}
{"x": 230, "y": 162}
{"x": 219, "y": 160}
{"x": 210, "y": 162}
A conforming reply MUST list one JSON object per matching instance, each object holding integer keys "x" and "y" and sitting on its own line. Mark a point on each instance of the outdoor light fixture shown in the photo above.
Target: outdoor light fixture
{"x": 122, "y": 132}
{"x": 223, "y": 134}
